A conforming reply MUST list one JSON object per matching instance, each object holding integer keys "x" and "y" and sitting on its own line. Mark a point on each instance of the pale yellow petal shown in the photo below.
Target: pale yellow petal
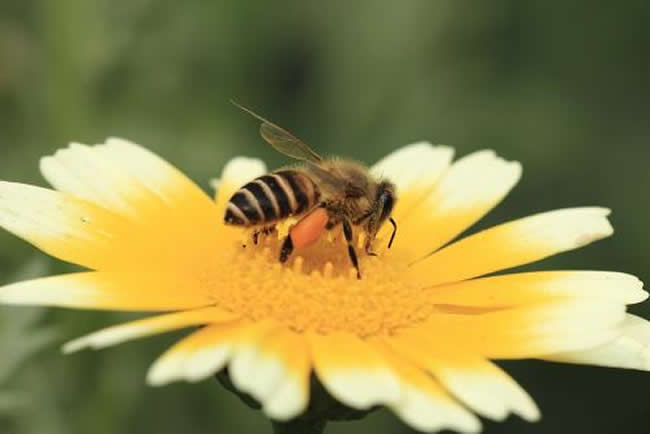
{"x": 70, "y": 229}
{"x": 477, "y": 382}
{"x": 84, "y": 233}
{"x": 159, "y": 207}
{"x": 416, "y": 166}
{"x": 119, "y": 175}
{"x": 467, "y": 191}
{"x": 484, "y": 387}
{"x": 521, "y": 289}
{"x": 148, "y": 326}
{"x": 81, "y": 171}
{"x": 353, "y": 372}
{"x": 521, "y": 332}
{"x": 275, "y": 371}
{"x": 127, "y": 291}
{"x": 415, "y": 170}
{"x": 188, "y": 207}
{"x": 515, "y": 243}
{"x": 629, "y": 350}
{"x": 154, "y": 173}
{"x": 204, "y": 353}
{"x": 424, "y": 404}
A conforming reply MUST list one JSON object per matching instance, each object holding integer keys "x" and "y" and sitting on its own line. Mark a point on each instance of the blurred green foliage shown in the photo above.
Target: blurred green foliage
{"x": 562, "y": 87}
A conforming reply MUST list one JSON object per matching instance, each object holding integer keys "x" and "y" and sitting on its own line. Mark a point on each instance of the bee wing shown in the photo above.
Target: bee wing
{"x": 325, "y": 177}
{"x": 285, "y": 142}
{"x": 333, "y": 181}
{"x": 282, "y": 140}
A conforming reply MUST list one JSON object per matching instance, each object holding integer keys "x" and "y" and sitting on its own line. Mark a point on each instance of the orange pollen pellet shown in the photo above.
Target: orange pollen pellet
{"x": 308, "y": 230}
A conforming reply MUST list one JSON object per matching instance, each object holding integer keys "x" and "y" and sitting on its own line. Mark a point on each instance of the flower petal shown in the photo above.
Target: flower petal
{"x": 148, "y": 326}
{"x": 477, "y": 382}
{"x": 515, "y": 243}
{"x": 275, "y": 372}
{"x": 84, "y": 233}
{"x": 521, "y": 289}
{"x": 419, "y": 165}
{"x": 467, "y": 191}
{"x": 153, "y": 173}
{"x": 61, "y": 225}
{"x": 353, "y": 372}
{"x": 630, "y": 350}
{"x": 484, "y": 387}
{"x": 203, "y": 353}
{"x": 173, "y": 208}
{"x": 547, "y": 328}
{"x": 127, "y": 291}
{"x": 415, "y": 170}
{"x": 521, "y": 332}
{"x": 118, "y": 175}
{"x": 424, "y": 404}
{"x": 81, "y": 171}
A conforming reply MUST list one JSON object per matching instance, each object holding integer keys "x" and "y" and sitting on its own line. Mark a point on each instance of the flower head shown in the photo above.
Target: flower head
{"x": 416, "y": 334}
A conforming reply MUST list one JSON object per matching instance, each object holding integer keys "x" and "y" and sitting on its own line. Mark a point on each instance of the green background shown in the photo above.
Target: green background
{"x": 563, "y": 87}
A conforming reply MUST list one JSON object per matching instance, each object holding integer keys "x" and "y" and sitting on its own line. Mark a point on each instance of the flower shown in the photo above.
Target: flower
{"x": 416, "y": 334}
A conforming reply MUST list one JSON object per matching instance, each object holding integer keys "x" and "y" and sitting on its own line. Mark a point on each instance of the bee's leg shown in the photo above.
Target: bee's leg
{"x": 266, "y": 230}
{"x": 371, "y": 232}
{"x": 369, "y": 252}
{"x": 286, "y": 249}
{"x": 352, "y": 253}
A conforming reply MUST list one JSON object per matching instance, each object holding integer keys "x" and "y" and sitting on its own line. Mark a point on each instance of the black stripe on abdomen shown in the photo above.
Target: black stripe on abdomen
{"x": 240, "y": 200}
{"x": 263, "y": 200}
{"x": 232, "y": 218}
{"x": 279, "y": 193}
{"x": 302, "y": 201}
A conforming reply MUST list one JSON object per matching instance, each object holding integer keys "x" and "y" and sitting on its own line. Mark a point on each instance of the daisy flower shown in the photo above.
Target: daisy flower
{"x": 417, "y": 334}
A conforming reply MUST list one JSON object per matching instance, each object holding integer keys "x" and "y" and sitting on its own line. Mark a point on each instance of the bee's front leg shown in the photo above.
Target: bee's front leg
{"x": 371, "y": 233}
{"x": 286, "y": 249}
{"x": 352, "y": 253}
{"x": 368, "y": 245}
{"x": 266, "y": 230}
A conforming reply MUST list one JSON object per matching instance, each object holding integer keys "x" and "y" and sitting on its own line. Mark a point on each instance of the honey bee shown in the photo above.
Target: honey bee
{"x": 322, "y": 193}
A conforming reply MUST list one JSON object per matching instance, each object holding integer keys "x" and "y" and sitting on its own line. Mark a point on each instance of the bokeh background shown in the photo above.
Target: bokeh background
{"x": 563, "y": 87}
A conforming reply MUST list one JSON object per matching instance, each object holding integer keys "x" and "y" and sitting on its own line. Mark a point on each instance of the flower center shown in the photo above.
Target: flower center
{"x": 317, "y": 289}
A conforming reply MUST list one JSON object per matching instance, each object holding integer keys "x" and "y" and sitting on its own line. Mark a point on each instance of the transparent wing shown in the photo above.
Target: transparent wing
{"x": 285, "y": 142}
{"x": 282, "y": 140}
{"x": 324, "y": 177}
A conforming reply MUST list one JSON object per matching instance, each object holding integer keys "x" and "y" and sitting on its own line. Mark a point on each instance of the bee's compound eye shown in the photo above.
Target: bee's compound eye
{"x": 385, "y": 200}
{"x": 388, "y": 201}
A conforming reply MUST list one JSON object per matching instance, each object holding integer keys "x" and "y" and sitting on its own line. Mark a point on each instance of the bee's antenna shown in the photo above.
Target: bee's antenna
{"x": 392, "y": 237}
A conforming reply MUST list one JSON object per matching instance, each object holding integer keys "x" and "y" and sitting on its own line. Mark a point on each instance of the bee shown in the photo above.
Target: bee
{"x": 322, "y": 193}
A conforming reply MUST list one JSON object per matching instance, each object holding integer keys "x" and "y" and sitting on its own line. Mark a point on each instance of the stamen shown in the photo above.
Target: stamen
{"x": 317, "y": 288}
{"x": 328, "y": 270}
{"x": 297, "y": 264}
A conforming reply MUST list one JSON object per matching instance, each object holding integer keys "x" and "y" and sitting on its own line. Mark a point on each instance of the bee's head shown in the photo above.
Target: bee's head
{"x": 384, "y": 204}
{"x": 385, "y": 200}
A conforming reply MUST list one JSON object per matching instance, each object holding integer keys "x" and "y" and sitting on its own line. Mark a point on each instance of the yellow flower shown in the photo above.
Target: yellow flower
{"x": 416, "y": 334}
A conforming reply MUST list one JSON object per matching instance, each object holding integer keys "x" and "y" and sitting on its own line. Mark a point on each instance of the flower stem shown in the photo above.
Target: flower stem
{"x": 299, "y": 426}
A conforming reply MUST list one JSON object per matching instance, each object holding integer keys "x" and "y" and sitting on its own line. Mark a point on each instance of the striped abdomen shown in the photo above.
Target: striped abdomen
{"x": 272, "y": 197}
